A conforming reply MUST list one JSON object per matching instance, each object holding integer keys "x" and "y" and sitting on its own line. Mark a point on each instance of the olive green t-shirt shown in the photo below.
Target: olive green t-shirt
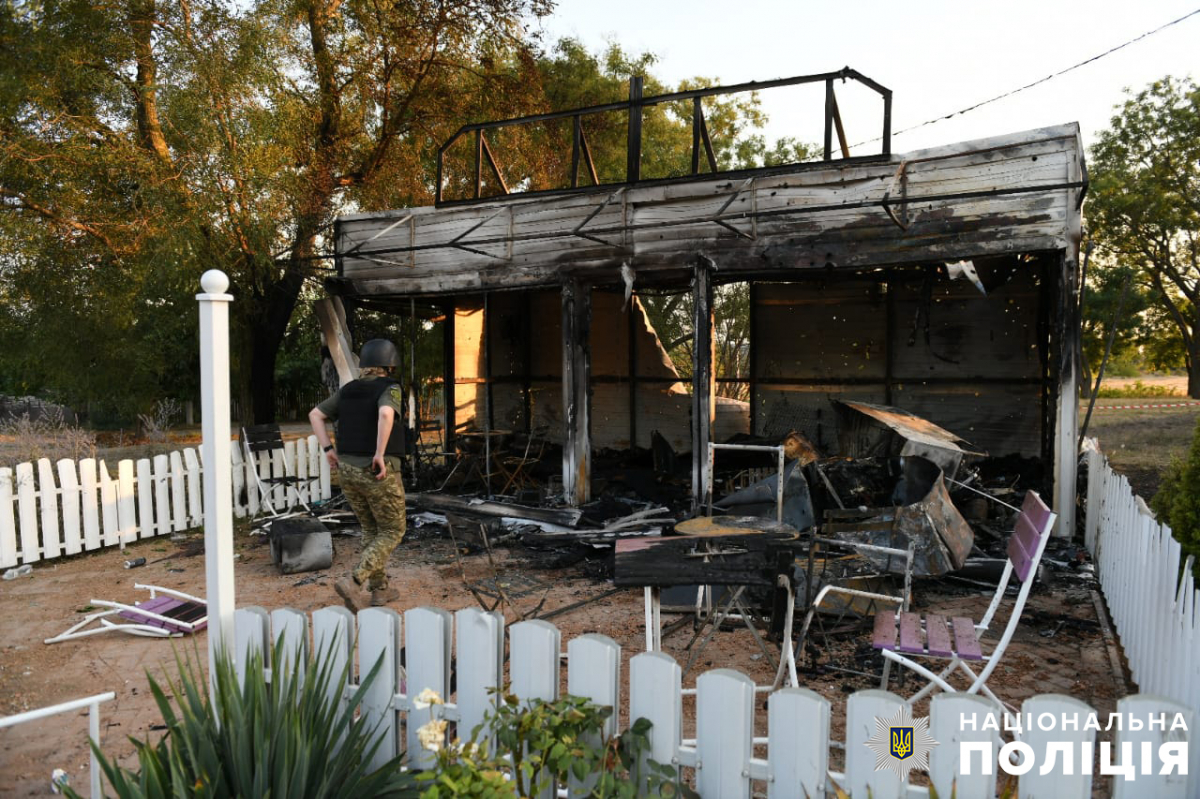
{"x": 392, "y": 398}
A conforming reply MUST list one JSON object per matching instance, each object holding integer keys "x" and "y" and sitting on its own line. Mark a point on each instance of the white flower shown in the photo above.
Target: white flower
{"x": 428, "y": 697}
{"x": 432, "y": 735}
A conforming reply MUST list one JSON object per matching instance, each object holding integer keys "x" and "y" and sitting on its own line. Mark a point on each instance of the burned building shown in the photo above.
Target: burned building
{"x": 942, "y": 281}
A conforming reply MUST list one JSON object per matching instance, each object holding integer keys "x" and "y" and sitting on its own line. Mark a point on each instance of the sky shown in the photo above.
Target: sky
{"x": 936, "y": 56}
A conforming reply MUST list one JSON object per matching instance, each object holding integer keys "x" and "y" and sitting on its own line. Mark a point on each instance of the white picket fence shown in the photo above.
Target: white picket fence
{"x": 723, "y": 753}
{"x": 1149, "y": 587}
{"x": 51, "y": 510}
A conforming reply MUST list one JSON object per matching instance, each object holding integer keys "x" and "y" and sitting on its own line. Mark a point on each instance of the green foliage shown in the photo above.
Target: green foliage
{"x": 1177, "y": 502}
{"x": 539, "y": 742}
{"x": 1144, "y": 214}
{"x": 284, "y": 738}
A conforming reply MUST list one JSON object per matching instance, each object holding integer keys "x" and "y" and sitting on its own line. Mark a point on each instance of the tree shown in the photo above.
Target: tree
{"x": 1145, "y": 203}
{"x": 148, "y": 138}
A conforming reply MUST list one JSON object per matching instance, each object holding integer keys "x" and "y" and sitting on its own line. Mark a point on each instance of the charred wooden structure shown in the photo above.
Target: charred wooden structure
{"x": 850, "y": 262}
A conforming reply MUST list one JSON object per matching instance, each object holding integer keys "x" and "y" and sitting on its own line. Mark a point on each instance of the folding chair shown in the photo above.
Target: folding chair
{"x": 815, "y": 603}
{"x": 266, "y": 438}
{"x": 1025, "y": 548}
{"x": 171, "y": 615}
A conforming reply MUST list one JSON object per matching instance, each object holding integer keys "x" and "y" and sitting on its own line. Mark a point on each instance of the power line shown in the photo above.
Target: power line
{"x": 1110, "y": 51}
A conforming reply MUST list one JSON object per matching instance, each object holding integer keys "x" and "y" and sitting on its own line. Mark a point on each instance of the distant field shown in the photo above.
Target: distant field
{"x": 1141, "y": 443}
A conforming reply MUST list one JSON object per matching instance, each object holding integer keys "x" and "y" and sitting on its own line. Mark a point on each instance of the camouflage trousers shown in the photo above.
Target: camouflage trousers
{"x": 379, "y": 506}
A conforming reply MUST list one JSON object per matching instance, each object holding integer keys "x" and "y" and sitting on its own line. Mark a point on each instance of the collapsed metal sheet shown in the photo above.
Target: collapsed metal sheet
{"x": 877, "y": 435}
{"x": 760, "y": 498}
{"x": 942, "y": 537}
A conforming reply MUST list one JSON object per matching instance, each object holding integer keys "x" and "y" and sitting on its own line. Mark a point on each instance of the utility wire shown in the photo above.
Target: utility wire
{"x": 1037, "y": 82}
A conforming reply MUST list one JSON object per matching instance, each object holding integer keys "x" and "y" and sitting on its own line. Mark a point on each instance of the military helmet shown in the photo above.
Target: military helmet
{"x": 379, "y": 352}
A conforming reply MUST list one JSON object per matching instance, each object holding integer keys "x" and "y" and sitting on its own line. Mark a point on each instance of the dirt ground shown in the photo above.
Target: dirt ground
{"x": 1059, "y": 646}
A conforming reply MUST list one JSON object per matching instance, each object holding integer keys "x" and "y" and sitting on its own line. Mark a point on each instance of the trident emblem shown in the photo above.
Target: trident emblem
{"x": 902, "y": 742}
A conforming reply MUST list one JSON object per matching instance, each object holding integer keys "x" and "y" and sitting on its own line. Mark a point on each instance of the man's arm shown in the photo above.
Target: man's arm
{"x": 387, "y": 417}
{"x": 317, "y": 418}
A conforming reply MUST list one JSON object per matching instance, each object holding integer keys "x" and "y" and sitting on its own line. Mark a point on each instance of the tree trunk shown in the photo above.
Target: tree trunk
{"x": 1193, "y": 368}
{"x": 266, "y": 328}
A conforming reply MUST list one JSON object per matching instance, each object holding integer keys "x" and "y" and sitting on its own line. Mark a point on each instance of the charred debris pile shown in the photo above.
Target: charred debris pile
{"x": 897, "y": 479}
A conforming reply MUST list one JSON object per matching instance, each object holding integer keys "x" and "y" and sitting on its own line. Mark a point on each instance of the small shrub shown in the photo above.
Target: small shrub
{"x": 284, "y": 738}
{"x": 158, "y": 423}
{"x": 539, "y": 742}
{"x": 1177, "y": 502}
{"x": 48, "y": 435}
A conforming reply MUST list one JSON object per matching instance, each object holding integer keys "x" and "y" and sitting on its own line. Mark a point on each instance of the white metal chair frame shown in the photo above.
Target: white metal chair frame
{"x": 904, "y": 600}
{"x": 289, "y": 481}
{"x": 133, "y": 628}
{"x": 979, "y": 680}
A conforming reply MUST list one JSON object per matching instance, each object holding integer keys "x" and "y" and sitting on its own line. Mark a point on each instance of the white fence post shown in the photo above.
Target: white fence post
{"x": 72, "y": 536}
{"x": 654, "y": 694}
{"x": 145, "y": 497}
{"x": 31, "y": 548}
{"x": 724, "y": 733}
{"x": 862, "y": 709}
{"x": 218, "y": 508}
{"x": 427, "y": 642}
{"x": 1057, "y": 784}
{"x": 252, "y": 635}
{"x": 48, "y": 495}
{"x": 798, "y": 722}
{"x": 479, "y": 645}
{"x": 8, "y": 520}
{"x": 379, "y": 642}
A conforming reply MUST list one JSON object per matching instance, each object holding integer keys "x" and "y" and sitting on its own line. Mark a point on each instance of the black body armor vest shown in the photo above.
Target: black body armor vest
{"x": 358, "y": 418}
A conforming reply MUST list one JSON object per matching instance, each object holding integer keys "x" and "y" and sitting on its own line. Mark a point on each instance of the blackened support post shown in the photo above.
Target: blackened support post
{"x": 703, "y": 382}
{"x": 631, "y": 332}
{"x": 752, "y": 357}
{"x": 1065, "y": 355}
{"x": 633, "y": 166}
{"x": 449, "y": 403}
{"x": 829, "y": 101}
{"x": 527, "y": 359}
{"x": 576, "y": 369}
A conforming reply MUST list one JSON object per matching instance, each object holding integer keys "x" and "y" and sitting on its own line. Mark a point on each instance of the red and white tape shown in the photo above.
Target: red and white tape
{"x": 1140, "y": 407}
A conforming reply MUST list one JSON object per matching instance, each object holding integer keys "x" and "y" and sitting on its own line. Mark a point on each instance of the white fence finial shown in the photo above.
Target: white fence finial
{"x": 218, "y": 480}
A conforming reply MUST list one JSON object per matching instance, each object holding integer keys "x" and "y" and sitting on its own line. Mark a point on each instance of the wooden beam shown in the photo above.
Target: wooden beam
{"x": 703, "y": 385}
{"x": 1066, "y": 333}
{"x": 752, "y": 357}
{"x": 577, "y": 451}
{"x": 449, "y": 409}
{"x": 631, "y": 333}
{"x": 336, "y": 333}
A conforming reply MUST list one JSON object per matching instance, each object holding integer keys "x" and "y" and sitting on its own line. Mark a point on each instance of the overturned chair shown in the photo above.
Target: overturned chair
{"x": 166, "y": 614}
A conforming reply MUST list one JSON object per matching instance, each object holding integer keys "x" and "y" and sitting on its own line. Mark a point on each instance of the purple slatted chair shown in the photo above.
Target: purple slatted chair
{"x": 957, "y": 639}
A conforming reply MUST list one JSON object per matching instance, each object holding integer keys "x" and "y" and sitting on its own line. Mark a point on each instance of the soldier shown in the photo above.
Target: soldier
{"x": 370, "y": 442}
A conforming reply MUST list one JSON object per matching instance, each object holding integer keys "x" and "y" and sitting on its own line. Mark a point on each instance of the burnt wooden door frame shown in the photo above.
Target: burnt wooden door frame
{"x": 577, "y": 391}
{"x": 703, "y": 383}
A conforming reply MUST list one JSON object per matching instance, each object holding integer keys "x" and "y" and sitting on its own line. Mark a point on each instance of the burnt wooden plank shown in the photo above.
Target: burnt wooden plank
{"x": 699, "y": 560}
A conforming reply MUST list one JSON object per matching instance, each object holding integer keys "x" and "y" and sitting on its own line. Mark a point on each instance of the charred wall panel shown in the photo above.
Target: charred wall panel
{"x": 906, "y": 337}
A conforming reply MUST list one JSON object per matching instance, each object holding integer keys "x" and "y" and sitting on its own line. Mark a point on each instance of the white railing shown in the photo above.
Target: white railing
{"x": 92, "y": 703}
{"x": 1148, "y": 585}
{"x": 50, "y": 510}
{"x": 724, "y": 750}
